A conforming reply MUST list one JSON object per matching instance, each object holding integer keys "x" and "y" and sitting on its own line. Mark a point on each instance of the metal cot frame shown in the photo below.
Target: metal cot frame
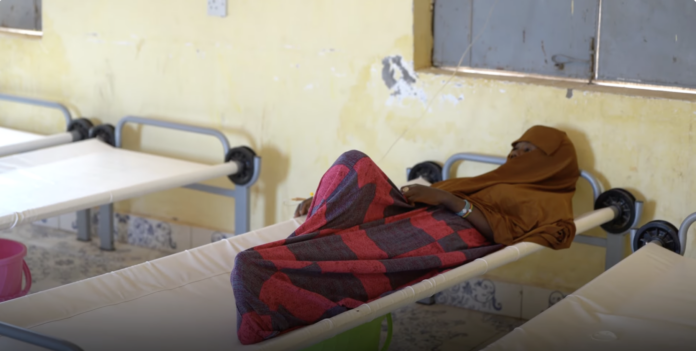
{"x": 241, "y": 193}
{"x": 43, "y": 103}
{"x": 58, "y": 139}
{"x": 73, "y": 133}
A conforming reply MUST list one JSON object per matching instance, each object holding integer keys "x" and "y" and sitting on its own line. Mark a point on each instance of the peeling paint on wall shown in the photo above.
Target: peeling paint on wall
{"x": 451, "y": 98}
{"x": 401, "y": 79}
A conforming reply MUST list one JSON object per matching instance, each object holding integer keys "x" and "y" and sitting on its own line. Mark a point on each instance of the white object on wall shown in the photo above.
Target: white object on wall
{"x": 217, "y": 8}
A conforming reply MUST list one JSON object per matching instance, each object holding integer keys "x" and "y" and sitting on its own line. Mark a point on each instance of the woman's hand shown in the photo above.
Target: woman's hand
{"x": 432, "y": 196}
{"x": 303, "y": 207}
{"x": 425, "y": 195}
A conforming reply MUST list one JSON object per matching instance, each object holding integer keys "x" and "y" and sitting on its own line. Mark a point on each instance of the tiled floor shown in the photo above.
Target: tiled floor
{"x": 55, "y": 258}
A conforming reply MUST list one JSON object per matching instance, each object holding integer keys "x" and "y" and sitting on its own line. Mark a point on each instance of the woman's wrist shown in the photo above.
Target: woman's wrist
{"x": 453, "y": 203}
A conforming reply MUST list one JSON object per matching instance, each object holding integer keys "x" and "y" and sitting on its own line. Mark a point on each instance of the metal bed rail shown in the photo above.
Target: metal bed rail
{"x": 43, "y": 103}
{"x": 241, "y": 193}
{"x": 663, "y": 234}
{"x": 30, "y": 337}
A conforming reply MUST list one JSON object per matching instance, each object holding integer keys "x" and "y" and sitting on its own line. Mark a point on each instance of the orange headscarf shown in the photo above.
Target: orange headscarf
{"x": 529, "y": 198}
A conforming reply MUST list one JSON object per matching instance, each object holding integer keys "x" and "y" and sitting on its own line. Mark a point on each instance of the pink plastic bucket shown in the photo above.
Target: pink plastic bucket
{"x": 11, "y": 267}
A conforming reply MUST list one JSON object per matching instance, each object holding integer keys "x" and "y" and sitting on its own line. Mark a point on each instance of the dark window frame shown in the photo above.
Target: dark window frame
{"x": 594, "y": 82}
{"x": 35, "y": 30}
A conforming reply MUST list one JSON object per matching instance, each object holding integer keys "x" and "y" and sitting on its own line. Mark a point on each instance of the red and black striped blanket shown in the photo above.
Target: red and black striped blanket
{"x": 361, "y": 240}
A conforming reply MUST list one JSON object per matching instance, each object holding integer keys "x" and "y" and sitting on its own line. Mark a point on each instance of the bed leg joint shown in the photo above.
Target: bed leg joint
{"x": 105, "y": 133}
{"x": 245, "y": 158}
{"x": 431, "y": 171}
{"x": 80, "y": 128}
{"x": 624, "y": 203}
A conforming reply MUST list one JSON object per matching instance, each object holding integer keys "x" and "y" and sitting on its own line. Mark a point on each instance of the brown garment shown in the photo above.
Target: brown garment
{"x": 529, "y": 198}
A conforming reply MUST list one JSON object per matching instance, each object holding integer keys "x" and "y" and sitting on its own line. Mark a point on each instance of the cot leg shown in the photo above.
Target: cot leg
{"x": 106, "y": 227}
{"x": 615, "y": 249}
{"x": 84, "y": 225}
{"x": 241, "y": 209}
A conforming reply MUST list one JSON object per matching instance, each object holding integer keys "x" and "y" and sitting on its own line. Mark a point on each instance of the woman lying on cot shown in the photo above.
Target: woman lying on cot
{"x": 365, "y": 238}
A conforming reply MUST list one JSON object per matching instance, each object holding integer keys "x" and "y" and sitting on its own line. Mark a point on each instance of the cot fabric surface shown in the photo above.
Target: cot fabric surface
{"x": 646, "y": 302}
{"x": 179, "y": 302}
{"x": 11, "y": 136}
{"x": 361, "y": 241}
{"x": 185, "y": 302}
{"x": 62, "y": 179}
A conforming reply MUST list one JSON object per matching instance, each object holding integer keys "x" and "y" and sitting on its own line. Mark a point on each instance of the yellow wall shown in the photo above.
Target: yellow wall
{"x": 301, "y": 82}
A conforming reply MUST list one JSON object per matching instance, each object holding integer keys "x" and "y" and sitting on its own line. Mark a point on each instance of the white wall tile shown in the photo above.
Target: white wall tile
{"x": 536, "y": 300}
{"x": 68, "y": 222}
{"x": 121, "y": 227}
{"x": 53, "y": 222}
{"x": 217, "y": 236}
{"x": 485, "y": 295}
{"x": 158, "y": 235}
{"x": 181, "y": 234}
{"x": 200, "y": 236}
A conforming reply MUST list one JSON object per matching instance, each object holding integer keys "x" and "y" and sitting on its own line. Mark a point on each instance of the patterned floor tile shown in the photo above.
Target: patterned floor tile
{"x": 445, "y": 328}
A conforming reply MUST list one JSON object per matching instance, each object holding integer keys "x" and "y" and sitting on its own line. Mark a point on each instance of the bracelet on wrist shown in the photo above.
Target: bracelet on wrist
{"x": 470, "y": 211}
{"x": 466, "y": 211}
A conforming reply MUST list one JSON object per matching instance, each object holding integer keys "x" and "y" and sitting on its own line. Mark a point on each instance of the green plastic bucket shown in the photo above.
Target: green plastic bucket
{"x": 363, "y": 337}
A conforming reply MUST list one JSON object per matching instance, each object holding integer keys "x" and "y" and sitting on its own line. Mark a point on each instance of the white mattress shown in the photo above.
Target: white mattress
{"x": 11, "y": 136}
{"x": 75, "y": 176}
{"x": 646, "y": 302}
{"x": 185, "y": 301}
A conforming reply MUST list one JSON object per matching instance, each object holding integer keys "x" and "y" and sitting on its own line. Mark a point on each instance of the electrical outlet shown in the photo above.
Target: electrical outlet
{"x": 217, "y": 8}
